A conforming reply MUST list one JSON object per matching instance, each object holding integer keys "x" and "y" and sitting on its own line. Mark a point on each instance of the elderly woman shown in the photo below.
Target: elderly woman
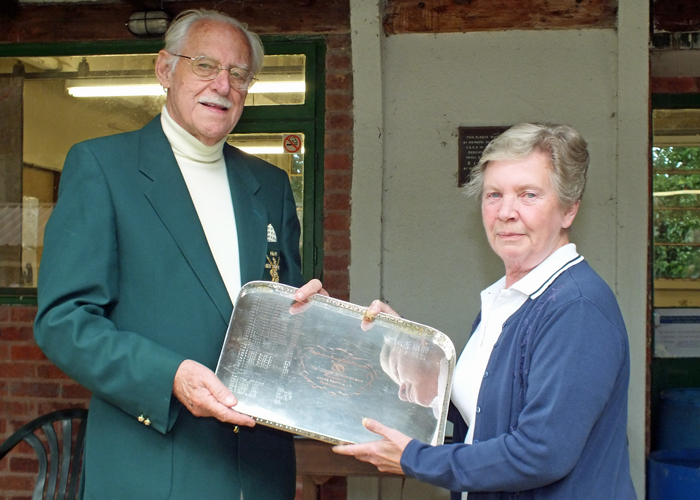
{"x": 539, "y": 402}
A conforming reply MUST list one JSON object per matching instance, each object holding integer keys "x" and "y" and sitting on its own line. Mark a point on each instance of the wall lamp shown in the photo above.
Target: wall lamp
{"x": 148, "y": 23}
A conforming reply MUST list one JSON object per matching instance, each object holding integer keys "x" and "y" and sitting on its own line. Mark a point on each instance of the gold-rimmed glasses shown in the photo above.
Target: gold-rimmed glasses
{"x": 209, "y": 68}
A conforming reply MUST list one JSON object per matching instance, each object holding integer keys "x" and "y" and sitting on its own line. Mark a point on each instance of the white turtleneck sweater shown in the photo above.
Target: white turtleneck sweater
{"x": 204, "y": 170}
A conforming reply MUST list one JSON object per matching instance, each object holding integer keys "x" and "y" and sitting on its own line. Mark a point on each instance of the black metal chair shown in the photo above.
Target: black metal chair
{"x": 60, "y": 468}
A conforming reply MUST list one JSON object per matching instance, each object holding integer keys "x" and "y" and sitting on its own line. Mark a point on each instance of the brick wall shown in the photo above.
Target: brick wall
{"x": 31, "y": 386}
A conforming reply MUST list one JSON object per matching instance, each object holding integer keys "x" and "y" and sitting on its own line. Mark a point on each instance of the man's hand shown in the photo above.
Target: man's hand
{"x": 384, "y": 454}
{"x": 203, "y": 394}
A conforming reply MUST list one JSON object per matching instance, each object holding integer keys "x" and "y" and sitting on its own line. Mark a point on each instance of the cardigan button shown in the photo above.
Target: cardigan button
{"x": 475, "y": 441}
{"x": 486, "y": 374}
{"x": 478, "y": 409}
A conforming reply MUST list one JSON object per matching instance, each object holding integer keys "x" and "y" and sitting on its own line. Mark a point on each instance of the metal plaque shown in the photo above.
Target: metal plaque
{"x": 310, "y": 369}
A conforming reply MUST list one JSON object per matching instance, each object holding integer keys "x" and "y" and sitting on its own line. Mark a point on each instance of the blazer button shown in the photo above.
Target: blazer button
{"x": 141, "y": 418}
{"x": 147, "y": 422}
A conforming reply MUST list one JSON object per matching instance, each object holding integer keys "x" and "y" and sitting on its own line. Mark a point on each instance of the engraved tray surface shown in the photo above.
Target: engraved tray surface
{"x": 309, "y": 368}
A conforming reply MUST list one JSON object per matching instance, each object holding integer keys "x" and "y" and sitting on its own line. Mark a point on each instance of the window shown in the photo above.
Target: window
{"x": 68, "y": 94}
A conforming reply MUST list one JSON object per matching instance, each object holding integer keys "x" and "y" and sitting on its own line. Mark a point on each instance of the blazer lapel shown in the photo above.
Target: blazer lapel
{"x": 171, "y": 200}
{"x": 251, "y": 215}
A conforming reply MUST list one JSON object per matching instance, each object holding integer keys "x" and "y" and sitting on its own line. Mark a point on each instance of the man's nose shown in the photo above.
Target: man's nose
{"x": 222, "y": 82}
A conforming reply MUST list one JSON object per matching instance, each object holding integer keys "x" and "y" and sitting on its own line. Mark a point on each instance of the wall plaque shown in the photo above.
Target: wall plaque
{"x": 472, "y": 141}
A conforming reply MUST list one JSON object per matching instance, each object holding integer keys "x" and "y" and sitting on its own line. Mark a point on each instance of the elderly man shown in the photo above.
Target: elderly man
{"x": 152, "y": 236}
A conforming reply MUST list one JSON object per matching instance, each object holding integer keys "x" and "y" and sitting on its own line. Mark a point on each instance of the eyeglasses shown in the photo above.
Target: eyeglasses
{"x": 209, "y": 68}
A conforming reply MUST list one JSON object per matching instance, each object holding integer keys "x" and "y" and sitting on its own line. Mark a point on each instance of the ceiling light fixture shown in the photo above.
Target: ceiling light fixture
{"x": 277, "y": 87}
{"x": 114, "y": 87}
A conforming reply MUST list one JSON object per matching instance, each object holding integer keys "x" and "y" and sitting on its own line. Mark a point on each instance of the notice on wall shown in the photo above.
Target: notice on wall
{"x": 472, "y": 141}
{"x": 677, "y": 333}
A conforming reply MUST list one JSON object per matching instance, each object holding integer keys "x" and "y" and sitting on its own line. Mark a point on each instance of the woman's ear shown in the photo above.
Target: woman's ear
{"x": 163, "y": 68}
{"x": 570, "y": 215}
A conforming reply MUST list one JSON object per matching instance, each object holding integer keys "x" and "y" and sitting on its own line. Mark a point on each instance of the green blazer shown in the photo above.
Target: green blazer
{"x": 128, "y": 289}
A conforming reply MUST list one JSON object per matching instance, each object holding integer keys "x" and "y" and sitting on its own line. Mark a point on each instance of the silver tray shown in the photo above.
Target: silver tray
{"x": 310, "y": 369}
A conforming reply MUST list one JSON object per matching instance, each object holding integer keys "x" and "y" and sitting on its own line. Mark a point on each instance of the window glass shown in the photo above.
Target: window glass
{"x": 676, "y": 194}
{"x": 43, "y": 113}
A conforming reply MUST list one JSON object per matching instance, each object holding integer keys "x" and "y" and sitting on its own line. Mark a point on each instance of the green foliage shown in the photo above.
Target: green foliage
{"x": 676, "y": 217}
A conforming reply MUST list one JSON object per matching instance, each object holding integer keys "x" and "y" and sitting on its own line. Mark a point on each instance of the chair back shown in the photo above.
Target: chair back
{"x": 60, "y": 466}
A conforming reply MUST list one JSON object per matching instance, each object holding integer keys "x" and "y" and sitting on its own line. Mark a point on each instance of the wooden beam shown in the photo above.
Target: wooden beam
{"x": 444, "y": 16}
{"x": 91, "y": 22}
{"x": 676, "y": 15}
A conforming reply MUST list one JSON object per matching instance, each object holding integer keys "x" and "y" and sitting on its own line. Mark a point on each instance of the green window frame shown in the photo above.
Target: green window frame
{"x": 307, "y": 118}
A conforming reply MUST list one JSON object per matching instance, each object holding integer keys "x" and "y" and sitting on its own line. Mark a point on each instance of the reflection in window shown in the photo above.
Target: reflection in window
{"x": 41, "y": 117}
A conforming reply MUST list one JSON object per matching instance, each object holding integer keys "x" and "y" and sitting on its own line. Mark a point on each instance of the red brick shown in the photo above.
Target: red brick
{"x": 26, "y": 353}
{"x": 4, "y": 313}
{"x": 14, "y": 333}
{"x": 22, "y": 314}
{"x": 17, "y": 370}
{"x": 338, "y": 102}
{"x": 337, "y": 161}
{"x": 336, "y": 242}
{"x": 336, "y": 222}
{"x": 339, "y": 81}
{"x": 336, "y": 181}
{"x": 338, "y": 41}
{"x": 4, "y": 352}
{"x": 339, "y": 141}
{"x": 335, "y": 281}
{"x": 339, "y": 121}
{"x": 336, "y": 262}
{"x": 338, "y": 62}
{"x": 75, "y": 391}
{"x": 15, "y": 482}
{"x": 16, "y": 408}
{"x": 47, "y": 406}
{"x": 50, "y": 371}
{"x": 336, "y": 201}
{"x": 33, "y": 389}
{"x": 23, "y": 464}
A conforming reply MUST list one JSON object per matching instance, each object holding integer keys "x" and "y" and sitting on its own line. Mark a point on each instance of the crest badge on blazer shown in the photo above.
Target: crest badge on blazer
{"x": 272, "y": 265}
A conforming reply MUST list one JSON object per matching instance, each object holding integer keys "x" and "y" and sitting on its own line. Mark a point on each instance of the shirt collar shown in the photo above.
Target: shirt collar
{"x": 538, "y": 280}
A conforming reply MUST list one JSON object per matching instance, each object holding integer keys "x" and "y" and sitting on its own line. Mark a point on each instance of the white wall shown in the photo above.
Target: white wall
{"x": 428, "y": 256}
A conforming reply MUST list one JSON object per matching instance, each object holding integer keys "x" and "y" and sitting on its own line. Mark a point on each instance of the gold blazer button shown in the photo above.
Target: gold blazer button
{"x": 147, "y": 421}
{"x": 140, "y": 418}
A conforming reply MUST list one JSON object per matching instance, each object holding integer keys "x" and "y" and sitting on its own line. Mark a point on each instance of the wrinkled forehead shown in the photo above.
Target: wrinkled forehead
{"x": 219, "y": 41}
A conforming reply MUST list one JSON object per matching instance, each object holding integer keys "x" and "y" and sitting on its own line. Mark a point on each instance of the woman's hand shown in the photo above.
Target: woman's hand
{"x": 302, "y": 296}
{"x": 375, "y": 308}
{"x": 384, "y": 454}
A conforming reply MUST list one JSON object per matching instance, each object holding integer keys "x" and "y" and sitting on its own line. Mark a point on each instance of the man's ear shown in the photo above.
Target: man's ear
{"x": 163, "y": 66}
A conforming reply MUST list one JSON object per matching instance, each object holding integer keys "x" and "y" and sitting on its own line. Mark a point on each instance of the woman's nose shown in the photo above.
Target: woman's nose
{"x": 507, "y": 209}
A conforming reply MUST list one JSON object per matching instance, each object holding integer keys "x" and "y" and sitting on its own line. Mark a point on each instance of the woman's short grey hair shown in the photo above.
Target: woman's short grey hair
{"x": 176, "y": 36}
{"x": 566, "y": 149}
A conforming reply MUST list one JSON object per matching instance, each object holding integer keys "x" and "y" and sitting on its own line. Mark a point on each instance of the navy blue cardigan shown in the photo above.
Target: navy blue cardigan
{"x": 552, "y": 409}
